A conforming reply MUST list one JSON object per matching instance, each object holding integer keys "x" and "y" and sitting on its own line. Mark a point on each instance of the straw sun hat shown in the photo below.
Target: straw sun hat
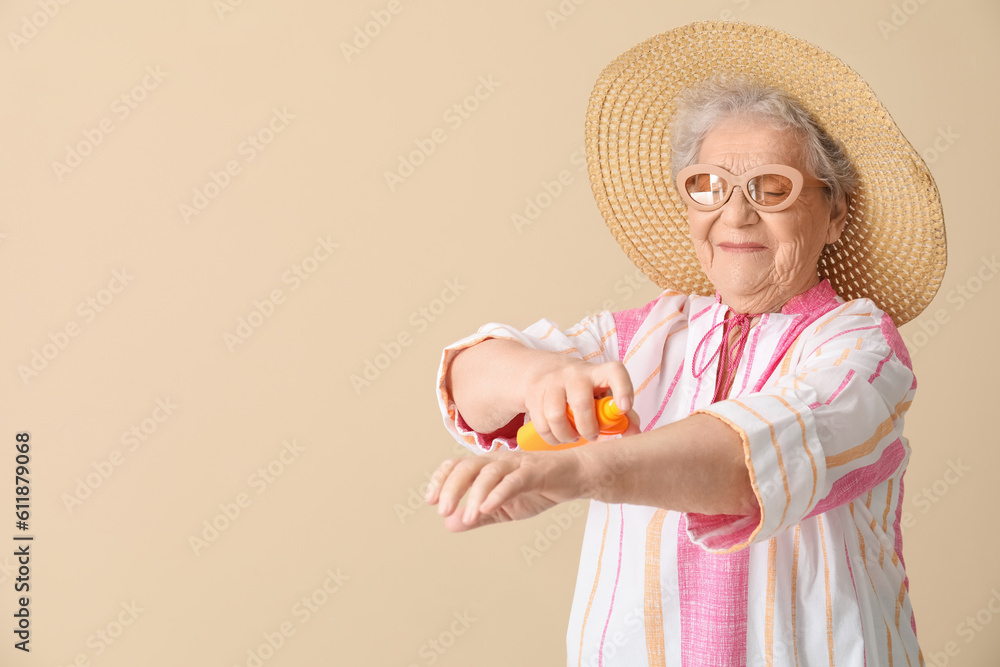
{"x": 892, "y": 250}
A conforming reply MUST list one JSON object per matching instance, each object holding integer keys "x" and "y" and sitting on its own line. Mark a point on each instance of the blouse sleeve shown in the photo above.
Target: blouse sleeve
{"x": 827, "y": 429}
{"x": 592, "y": 340}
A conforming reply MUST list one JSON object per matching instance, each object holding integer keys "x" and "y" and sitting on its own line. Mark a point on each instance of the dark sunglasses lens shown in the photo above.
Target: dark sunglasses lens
{"x": 769, "y": 189}
{"x": 706, "y": 189}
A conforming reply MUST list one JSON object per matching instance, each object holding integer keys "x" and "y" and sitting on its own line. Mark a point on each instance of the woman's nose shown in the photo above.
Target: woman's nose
{"x": 737, "y": 211}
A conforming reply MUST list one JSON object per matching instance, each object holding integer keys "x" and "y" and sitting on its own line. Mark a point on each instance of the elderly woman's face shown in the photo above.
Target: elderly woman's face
{"x": 758, "y": 260}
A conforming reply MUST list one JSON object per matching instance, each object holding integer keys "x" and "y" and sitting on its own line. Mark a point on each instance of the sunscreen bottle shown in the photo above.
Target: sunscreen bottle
{"x": 610, "y": 419}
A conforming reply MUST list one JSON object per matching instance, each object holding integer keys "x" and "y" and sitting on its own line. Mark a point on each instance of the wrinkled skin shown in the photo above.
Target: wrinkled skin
{"x": 759, "y": 260}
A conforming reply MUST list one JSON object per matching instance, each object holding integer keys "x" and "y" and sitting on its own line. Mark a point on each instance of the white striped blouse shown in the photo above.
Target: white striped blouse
{"x": 817, "y": 577}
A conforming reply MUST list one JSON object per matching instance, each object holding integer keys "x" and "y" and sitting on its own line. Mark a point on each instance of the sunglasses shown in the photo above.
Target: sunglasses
{"x": 770, "y": 187}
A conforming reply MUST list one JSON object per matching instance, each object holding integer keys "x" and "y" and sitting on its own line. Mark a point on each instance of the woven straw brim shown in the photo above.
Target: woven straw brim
{"x": 893, "y": 248}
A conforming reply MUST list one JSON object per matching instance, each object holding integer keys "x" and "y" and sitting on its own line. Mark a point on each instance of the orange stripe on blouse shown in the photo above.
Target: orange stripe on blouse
{"x": 786, "y": 363}
{"x": 777, "y": 452}
{"x": 652, "y": 600}
{"x": 829, "y": 601}
{"x": 795, "y": 581}
{"x": 597, "y": 578}
{"x": 834, "y": 315}
{"x": 805, "y": 446}
{"x": 636, "y": 345}
{"x": 645, "y": 383}
{"x": 582, "y": 328}
{"x": 605, "y": 337}
{"x": 861, "y": 540}
{"x": 548, "y": 333}
{"x": 899, "y": 606}
{"x": 864, "y": 449}
{"x": 885, "y": 516}
{"x": 888, "y": 636}
{"x": 772, "y": 579}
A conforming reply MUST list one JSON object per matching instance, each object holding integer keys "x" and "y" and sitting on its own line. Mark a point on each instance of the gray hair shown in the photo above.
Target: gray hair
{"x": 705, "y": 105}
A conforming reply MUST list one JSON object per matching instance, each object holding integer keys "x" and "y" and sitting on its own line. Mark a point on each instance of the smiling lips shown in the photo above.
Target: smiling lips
{"x": 741, "y": 247}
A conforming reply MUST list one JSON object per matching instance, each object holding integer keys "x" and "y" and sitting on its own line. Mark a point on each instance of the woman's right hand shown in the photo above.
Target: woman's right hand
{"x": 556, "y": 381}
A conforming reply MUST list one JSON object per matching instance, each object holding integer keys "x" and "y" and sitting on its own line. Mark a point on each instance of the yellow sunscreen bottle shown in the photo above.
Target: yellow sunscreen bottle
{"x": 610, "y": 419}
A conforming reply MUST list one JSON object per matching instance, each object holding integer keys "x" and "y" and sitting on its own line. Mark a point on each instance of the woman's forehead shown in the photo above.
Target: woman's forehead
{"x": 738, "y": 145}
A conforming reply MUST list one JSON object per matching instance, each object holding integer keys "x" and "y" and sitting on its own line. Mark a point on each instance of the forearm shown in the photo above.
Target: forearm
{"x": 486, "y": 382}
{"x": 696, "y": 464}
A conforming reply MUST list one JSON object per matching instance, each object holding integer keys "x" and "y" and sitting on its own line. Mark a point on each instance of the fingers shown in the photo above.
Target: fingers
{"x": 506, "y": 489}
{"x": 573, "y": 383}
{"x": 633, "y": 424}
{"x": 614, "y": 376}
{"x": 475, "y": 476}
{"x": 489, "y": 477}
{"x": 580, "y": 398}
{"x": 558, "y": 427}
{"x": 458, "y": 480}
{"x": 437, "y": 479}
{"x": 456, "y": 524}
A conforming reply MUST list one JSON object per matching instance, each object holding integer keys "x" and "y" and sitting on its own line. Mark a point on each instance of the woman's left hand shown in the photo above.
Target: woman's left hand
{"x": 504, "y": 486}
{"x": 507, "y": 485}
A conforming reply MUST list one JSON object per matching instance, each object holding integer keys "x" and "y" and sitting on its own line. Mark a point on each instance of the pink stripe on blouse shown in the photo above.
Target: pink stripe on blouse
{"x": 713, "y": 594}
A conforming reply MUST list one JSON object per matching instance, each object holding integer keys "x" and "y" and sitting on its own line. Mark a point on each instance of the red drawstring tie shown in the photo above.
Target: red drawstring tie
{"x": 741, "y": 320}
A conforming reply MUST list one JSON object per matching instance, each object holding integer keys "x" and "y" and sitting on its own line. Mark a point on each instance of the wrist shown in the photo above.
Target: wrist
{"x": 605, "y": 467}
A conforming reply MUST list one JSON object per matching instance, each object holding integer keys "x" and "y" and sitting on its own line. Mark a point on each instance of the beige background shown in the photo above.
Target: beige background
{"x": 345, "y": 502}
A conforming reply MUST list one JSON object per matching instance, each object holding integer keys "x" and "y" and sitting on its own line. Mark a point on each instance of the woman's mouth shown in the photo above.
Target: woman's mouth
{"x": 741, "y": 247}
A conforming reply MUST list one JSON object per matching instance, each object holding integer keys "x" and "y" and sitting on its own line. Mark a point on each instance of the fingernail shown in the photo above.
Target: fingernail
{"x": 469, "y": 513}
{"x": 443, "y": 509}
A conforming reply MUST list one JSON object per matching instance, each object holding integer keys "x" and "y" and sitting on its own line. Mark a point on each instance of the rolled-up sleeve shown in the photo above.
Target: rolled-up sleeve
{"x": 827, "y": 430}
{"x": 592, "y": 339}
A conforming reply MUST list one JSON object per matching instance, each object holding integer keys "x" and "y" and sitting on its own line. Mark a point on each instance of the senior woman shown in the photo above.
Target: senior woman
{"x": 751, "y": 514}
